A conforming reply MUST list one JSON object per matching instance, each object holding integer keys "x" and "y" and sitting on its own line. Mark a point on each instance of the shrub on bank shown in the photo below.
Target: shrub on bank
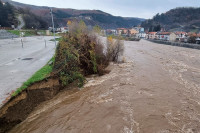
{"x": 79, "y": 54}
{"x": 115, "y": 49}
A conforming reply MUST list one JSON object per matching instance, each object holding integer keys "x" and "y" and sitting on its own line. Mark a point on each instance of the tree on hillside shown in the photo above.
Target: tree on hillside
{"x": 97, "y": 29}
{"x": 82, "y": 26}
{"x": 157, "y": 28}
{"x": 10, "y": 12}
{"x": 32, "y": 20}
{"x": 184, "y": 18}
{"x": 7, "y": 15}
{"x": 75, "y": 28}
{"x": 1, "y": 14}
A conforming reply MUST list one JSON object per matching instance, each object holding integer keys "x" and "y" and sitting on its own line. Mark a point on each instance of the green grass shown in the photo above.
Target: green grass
{"x": 57, "y": 39}
{"x": 16, "y": 32}
{"x": 30, "y": 33}
{"x": 26, "y": 32}
{"x": 38, "y": 76}
{"x": 42, "y": 32}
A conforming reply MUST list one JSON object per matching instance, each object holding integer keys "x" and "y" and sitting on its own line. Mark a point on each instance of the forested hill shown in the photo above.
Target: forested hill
{"x": 185, "y": 18}
{"x": 7, "y": 15}
{"x": 90, "y": 17}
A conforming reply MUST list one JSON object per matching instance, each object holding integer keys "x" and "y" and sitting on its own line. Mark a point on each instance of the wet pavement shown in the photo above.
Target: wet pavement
{"x": 18, "y": 64}
{"x": 157, "y": 90}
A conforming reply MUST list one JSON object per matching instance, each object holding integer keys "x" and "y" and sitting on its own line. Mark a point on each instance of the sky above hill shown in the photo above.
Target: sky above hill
{"x": 126, "y": 8}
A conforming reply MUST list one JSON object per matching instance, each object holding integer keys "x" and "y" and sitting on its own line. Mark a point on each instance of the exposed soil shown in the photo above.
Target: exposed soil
{"x": 19, "y": 107}
{"x": 156, "y": 91}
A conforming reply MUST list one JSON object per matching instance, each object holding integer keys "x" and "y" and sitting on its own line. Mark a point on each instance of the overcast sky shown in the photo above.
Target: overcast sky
{"x": 125, "y": 8}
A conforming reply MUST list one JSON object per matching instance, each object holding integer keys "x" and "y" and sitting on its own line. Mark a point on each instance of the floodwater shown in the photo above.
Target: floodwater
{"x": 157, "y": 90}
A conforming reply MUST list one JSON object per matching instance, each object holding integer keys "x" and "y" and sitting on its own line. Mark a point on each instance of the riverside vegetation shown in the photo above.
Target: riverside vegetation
{"x": 79, "y": 53}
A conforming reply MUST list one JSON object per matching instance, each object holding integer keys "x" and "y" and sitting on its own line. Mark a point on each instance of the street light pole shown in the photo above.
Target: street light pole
{"x": 53, "y": 25}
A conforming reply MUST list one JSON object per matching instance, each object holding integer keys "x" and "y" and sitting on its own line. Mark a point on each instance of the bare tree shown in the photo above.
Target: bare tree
{"x": 115, "y": 49}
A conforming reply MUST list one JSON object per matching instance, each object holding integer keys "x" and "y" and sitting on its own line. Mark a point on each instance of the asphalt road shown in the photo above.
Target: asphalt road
{"x": 18, "y": 64}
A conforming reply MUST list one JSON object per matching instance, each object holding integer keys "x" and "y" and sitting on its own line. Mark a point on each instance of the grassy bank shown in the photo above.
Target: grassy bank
{"x": 27, "y": 32}
{"x": 38, "y": 76}
{"x": 57, "y": 39}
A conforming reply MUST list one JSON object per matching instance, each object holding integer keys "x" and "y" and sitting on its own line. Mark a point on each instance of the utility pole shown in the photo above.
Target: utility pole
{"x": 51, "y": 12}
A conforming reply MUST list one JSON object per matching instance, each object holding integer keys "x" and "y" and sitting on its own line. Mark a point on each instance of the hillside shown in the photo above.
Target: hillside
{"x": 7, "y": 15}
{"x": 185, "y": 18}
{"x": 91, "y": 17}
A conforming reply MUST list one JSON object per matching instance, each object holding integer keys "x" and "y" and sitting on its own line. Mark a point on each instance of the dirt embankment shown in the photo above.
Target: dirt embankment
{"x": 19, "y": 107}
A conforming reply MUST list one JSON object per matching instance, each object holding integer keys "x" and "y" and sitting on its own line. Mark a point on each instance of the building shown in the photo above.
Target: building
{"x": 137, "y": 28}
{"x": 111, "y": 32}
{"x": 114, "y": 32}
{"x": 163, "y": 36}
{"x": 141, "y": 35}
{"x": 172, "y": 37}
{"x": 133, "y": 32}
{"x": 125, "y": 32}
{"x": 139, "y": 32}
{"x": 119, "y": 31}
{"x": 88, "y": 18}
{"x": 180, "y": 36}
{"x": 122, "y": 31}
{"x": 64, "y": 29}
{"x": 151, "y": 35}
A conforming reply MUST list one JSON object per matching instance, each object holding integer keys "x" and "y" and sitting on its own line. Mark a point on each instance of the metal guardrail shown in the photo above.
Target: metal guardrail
{"x": 186, "y": 45}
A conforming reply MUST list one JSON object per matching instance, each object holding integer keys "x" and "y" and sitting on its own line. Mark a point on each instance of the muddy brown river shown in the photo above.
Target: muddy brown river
{"x": 157, "y": 90}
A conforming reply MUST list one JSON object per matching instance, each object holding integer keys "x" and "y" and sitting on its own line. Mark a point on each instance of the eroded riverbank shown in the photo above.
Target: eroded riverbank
{"x": 156, "y": 90}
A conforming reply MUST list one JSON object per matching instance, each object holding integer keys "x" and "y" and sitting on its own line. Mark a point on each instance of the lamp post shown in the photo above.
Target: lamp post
{"x": 51, "y": 12}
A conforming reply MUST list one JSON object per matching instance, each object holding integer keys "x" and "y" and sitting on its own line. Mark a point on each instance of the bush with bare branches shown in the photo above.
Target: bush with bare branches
{"x": 115, "y": 49}
{"x": 78, "y": 54}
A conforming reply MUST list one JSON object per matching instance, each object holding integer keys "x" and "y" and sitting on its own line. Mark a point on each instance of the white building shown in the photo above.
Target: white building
{"x": 163, "y": 36}
{"x": 180, "y": 36}
{"x": 64, "y": 29}
{"x": 141, "y": 35}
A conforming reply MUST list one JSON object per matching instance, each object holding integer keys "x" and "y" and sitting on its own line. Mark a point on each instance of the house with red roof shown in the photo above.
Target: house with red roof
{"x": 122, "y": 31}
{"x": 163, "y": 36}
{"x": 151, "y": 35}
{"x": 180, "y": 36}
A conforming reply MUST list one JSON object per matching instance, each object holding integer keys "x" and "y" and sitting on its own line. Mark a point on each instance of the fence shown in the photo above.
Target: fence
{"x": 186, "y": 45}
{"x": 5, "y": 28}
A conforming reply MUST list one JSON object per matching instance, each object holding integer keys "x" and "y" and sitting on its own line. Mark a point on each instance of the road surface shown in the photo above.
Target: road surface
{"x": 156, "y": 91}
{"x": 17, "y": 64}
